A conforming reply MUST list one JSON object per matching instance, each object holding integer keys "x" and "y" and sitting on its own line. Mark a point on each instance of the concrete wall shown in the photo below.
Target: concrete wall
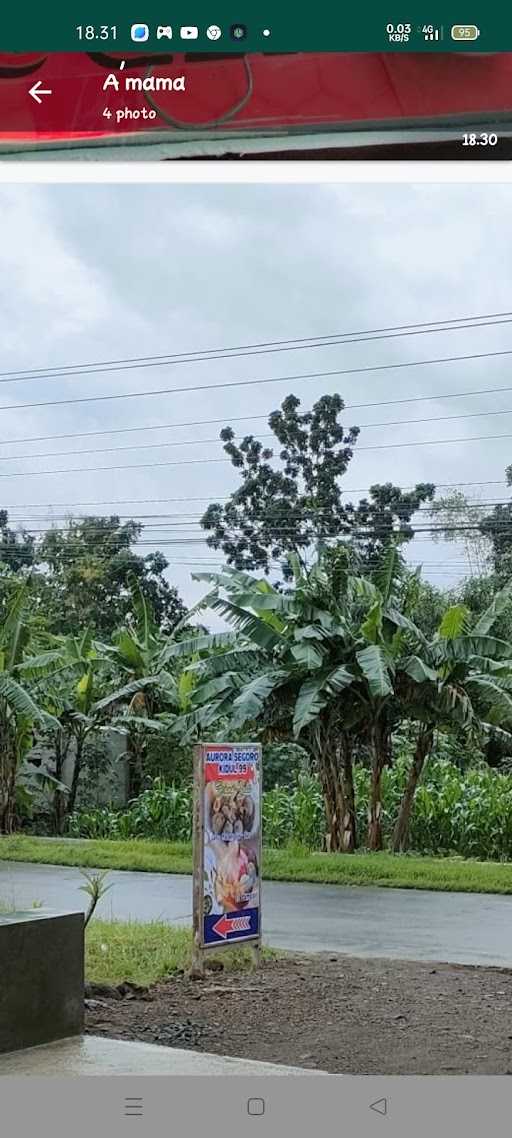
{"x": 42, "y": 977}
{"x": 112, "y": 787}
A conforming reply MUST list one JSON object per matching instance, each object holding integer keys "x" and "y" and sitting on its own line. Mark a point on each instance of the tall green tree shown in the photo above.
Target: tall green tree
{"x": 298, "y": 505}
{"x": 83, "y": 576}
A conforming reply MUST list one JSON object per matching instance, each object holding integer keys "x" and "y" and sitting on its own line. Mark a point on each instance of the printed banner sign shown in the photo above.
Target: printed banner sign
{"x": 228, "y": 778}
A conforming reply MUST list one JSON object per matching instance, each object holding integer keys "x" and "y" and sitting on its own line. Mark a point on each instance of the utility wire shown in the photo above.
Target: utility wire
{"x": 228, "y": 419}
{"x": 238, "y": 438}
{"x": 195, "y": 519}
{"x": 257, "y": 382}
{"x": 264, "y": 348}
{"x": 362, "y": 532}
{"x": 221, "y": 498}
{"x": 211, "y": 461}
{"x": 186, "y": 521}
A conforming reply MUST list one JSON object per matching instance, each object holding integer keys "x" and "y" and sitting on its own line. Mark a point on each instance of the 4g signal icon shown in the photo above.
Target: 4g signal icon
{"x": 431, "y": 34}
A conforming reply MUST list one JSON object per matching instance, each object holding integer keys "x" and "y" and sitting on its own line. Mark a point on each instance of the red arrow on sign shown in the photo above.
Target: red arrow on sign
{"x": 226, "y": 925}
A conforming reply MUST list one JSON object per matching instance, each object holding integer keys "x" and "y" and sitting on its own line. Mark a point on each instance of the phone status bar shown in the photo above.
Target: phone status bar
{"x": 226, "y": 27}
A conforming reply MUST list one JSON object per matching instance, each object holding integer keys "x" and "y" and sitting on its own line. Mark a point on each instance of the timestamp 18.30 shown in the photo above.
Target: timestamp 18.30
{"x": 484, "y": 138}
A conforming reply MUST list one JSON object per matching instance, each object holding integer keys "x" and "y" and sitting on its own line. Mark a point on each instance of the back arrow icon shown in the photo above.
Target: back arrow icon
{"x": 380, "y": 1107}
{"x": 37, "y": 90}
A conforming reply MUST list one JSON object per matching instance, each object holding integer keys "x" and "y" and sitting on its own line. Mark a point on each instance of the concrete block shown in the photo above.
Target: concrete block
{"x": 41, "y": 977}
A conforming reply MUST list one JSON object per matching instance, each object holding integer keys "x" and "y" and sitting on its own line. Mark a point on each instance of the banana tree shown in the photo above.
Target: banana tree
{"x": 460, "y": 681}
{"x": 316, "y": 663}
{"x": 20, "y": 714}
{"x": 146, "y": 694}
{"x": 70, "y": 674}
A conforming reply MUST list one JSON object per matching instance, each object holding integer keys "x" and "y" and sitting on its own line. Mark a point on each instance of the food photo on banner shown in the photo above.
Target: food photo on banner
{"x": 229, "y": 839}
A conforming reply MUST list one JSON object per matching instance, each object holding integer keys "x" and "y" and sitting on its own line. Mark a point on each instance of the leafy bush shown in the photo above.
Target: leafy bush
{"x": 161, "y": 811}
{"x": 468, "y": 813}
{"x": 99, "y": 822}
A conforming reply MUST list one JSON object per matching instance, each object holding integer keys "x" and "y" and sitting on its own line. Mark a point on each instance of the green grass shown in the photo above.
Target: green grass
{"x": 143, "y": 953}
{"x": 391, "y": 870}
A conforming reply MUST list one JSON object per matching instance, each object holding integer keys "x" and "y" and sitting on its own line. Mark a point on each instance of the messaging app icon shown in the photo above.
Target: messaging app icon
{"x": 140, "y": 33}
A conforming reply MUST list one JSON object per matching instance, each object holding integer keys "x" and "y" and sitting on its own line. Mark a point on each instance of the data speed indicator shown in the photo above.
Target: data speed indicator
{"x": 399, "y": 33}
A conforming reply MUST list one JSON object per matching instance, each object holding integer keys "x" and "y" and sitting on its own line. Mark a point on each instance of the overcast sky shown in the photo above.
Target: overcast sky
{"x": 102, "y": 272}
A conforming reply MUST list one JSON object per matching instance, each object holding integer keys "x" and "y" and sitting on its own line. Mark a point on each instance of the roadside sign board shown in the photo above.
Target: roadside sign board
{"x": 227, "y": 845}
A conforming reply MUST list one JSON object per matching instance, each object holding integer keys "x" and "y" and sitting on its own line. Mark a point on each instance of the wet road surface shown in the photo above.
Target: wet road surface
{"x": 407, "y": 924}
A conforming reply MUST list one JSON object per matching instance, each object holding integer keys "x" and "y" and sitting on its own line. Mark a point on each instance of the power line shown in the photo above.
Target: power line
{"x": 93, "y": 470}
{"x": 436, "y": 419}
{"x": 130, "y": 430}
{"x": 346, "y": 530}
{"x": 110, "y": 450}
{"x": 77, "y": 549}
{"x": 200, "y": 563}
{"x": 433, "y": 442}
{"x": 431, "y": 397}
{"x": 219, "y": 498}
{"x": 304, "y": 514}
{"x": 194, "y": 519}
{"x": 264, "y": 348}
{"x": 71, "y": 545}
{"x": 213, "y": 442}
{"x": 256, "y": 382}
{"x": 211, "y": 461}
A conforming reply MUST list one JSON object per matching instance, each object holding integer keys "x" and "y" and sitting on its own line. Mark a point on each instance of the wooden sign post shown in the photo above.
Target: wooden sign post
{"x": 227, "y": 848}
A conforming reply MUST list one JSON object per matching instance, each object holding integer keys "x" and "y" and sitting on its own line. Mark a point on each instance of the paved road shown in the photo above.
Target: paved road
{"x": 466, "y": 928}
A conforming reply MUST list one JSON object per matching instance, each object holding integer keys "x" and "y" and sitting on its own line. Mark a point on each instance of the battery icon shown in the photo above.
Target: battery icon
{"x": 465, "y": 32}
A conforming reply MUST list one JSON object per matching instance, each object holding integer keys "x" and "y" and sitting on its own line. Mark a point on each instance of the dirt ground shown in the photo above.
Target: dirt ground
{"x": 334, "y": 1013}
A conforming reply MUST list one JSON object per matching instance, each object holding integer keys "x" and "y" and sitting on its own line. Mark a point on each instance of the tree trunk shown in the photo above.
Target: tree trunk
{"x": 8, "y": 771}
{"x": 334, "y": 763}
{"x": 3, "y": 788}
{"x": 60, "y": 803}
{"x": 331, "y": 804}
{"x": 380, "y": 747}
{"x": 401, "y": 832}
{"x": 8, "y": 797}
{"x": 348, "y": 822}
{"x": 135, "y": 749}
{"x": 375, "y": 808}
{"x": 80, "y": 740}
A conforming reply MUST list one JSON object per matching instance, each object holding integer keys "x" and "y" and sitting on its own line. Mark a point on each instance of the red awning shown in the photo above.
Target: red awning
{"x": 292, "y": 92}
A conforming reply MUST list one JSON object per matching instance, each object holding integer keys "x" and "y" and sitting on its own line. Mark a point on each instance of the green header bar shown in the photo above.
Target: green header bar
{"x": 234, "y": 26}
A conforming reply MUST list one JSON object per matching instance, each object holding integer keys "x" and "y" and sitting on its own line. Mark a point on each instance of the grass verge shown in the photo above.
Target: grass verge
{"x": 406, "y": 871}
{"x": 143, "y": 953}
